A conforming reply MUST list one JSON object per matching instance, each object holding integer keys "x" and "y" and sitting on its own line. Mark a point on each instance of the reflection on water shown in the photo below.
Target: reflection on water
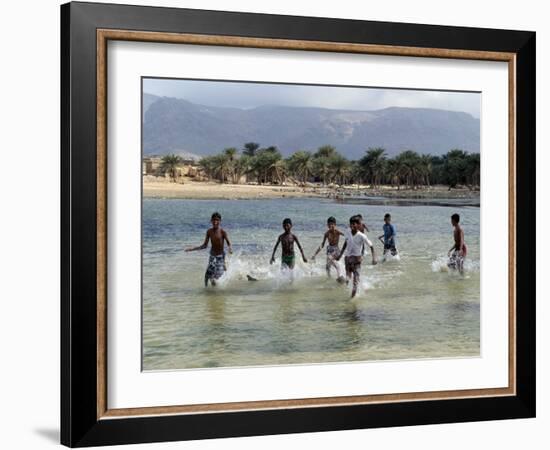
{"x": 410, "y": 307}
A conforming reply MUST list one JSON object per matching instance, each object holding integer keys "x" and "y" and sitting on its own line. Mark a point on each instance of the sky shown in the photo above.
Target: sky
{"x": 247, "y": 95}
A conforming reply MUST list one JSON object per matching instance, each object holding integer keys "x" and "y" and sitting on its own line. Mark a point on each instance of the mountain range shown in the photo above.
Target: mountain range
{"x": 173, "y": 125}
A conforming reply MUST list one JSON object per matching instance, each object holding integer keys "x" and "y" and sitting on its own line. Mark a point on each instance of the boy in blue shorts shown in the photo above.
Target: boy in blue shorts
{"x": 389, "y": 236}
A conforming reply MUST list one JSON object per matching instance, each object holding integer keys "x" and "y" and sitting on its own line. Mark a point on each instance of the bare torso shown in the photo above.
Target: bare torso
{"x": 459, "y": 237}
{"x": 217, "y": 237}
{"x": 333, "y": 236}
{"x": 287, "y": 243}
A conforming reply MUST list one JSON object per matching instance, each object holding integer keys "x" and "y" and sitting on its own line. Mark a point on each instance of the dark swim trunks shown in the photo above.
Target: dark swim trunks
{"x": 353, "y": 266}
{"x": 390, "y": 248}
{"x": 353, "y": 263}
{"x": 288, "y": 261}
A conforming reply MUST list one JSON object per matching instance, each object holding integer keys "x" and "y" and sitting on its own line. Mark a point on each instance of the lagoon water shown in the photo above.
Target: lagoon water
{"x": 405, "y": 309}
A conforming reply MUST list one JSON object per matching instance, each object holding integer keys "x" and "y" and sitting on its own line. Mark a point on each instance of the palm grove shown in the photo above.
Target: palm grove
{"x": 328, "y": 166}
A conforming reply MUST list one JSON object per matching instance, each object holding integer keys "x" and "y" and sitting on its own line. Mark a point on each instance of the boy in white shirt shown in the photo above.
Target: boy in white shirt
{"x": 353, "y": 249}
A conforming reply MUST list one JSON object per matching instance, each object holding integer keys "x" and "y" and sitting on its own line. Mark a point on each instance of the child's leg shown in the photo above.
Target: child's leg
{"x": 349, "y": 270}
{"x": 355, "y": 282}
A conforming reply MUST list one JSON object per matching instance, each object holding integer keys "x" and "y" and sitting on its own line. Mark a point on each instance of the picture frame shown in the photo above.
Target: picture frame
{"x": 86, "y": 418}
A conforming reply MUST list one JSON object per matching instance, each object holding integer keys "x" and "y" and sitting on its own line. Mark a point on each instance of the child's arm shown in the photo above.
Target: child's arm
{"x": 461, "y": 246}
{"x": 320, "y": 247}
{"x": 226, "y": 237}
{"x": 452, "y": 248}
{"x": 274, "y": 250}
{"x": 369, "y": 243}
{"x": 301, "y": 249}
{"x": 342, "y": 251}
{"x": 374, "y": 260}
{"x": 380, "y": 239}
{"x": 200, "y": 247}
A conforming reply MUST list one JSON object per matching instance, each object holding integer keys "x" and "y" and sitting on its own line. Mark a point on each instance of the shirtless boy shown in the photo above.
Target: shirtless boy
{"x": 458, "y": 251}
{"x": 332, "y": 235}
{"x": 287, "y": 240}
{"x": 353, "y": 249}
{"x": 216, "y": 263}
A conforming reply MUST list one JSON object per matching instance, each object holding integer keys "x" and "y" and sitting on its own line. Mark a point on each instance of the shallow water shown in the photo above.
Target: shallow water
{"x": 410, "y": 307}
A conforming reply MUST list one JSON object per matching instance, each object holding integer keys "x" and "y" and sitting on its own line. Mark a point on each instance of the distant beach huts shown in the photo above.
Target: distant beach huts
{"x": 157, "y": 167}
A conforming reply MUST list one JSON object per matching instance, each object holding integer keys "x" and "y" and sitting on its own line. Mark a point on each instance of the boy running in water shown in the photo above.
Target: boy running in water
{"x": 458, "y": 251}
{"x": 333, "y": 251}
{"x": 216, "y": 263}
{"x": 353, "y": 248}
{"x": 287, "y": 240}
{"x": 389, "y": 236}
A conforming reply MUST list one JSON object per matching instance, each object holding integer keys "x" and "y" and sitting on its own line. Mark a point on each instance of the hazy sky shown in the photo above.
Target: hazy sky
{"x": 250, "y": 95}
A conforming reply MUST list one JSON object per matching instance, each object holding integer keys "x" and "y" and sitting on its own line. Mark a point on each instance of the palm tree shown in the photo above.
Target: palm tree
{"x": 207, "y": 164}
{"x": 231, "y": 155}
{"x": 279, "y": 169}
{"x": 169, "y": 165}
{"x": 392, "y": 172}
{"x": 473, "y": 167}
{"x": 243, "y": 166}
{"x": 454, "y": 168}
{"x": 263, "y": 164}
{"x": 372, "y": 165}
{"x": 250, "y": 148}
{"x": 410, "y": 167}
{"x": 339, "y": 168}
{"x": 426, "y": 168}
{"x": 321, "y": 168}
{"x": 300, "y": 165}
{"x": 326, "y": 151}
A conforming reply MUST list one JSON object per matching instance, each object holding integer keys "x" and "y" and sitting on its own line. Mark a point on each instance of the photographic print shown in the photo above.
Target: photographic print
{"x": 304, "y": 207}
{"x": 300, "y": 224}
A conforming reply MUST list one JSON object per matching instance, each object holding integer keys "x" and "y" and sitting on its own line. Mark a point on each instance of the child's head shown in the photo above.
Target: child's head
{"x": 287, "y": 224}
{"x": 360, "y": 218}
{"x": 387, "y": 218}
{"x": 216, "y": 219}
{"x": 455, "y": 218}
{"x": 354, "y": 222}
{"x": 331, "y": 223}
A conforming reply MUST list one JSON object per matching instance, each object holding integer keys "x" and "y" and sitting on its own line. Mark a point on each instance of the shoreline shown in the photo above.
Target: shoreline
{"x": 199, "y": 190}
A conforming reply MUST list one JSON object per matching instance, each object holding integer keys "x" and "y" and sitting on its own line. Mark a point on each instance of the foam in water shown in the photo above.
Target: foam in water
{"x": 239, "y": 267}
{"x": 440, "y": 265}
{"x": 388, "y": 257}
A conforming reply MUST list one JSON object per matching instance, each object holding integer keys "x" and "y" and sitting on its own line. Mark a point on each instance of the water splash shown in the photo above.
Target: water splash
{"x": 388, "y": 257}
{"x": 242, "y": 267}
{"x": 440, "y": 264}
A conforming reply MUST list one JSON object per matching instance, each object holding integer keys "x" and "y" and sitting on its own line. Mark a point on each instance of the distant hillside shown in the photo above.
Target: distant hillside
{"x": 176, "y": 125}
{"x": 148, "y": 100}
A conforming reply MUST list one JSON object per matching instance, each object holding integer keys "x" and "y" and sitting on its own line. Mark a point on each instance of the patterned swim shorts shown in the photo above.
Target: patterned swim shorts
{"x": 333, "y": 251}
{"x": 216, "y": 267}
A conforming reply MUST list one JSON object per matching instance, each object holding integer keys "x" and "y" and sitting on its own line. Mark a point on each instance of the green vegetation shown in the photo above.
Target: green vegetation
{"x": 169, "y": 165}
{"x": 327, "y": 166}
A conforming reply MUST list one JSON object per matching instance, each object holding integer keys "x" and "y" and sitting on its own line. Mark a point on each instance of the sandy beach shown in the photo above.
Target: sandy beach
{"x": 209, "y": 190}
{"x": 159, "y": 188}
